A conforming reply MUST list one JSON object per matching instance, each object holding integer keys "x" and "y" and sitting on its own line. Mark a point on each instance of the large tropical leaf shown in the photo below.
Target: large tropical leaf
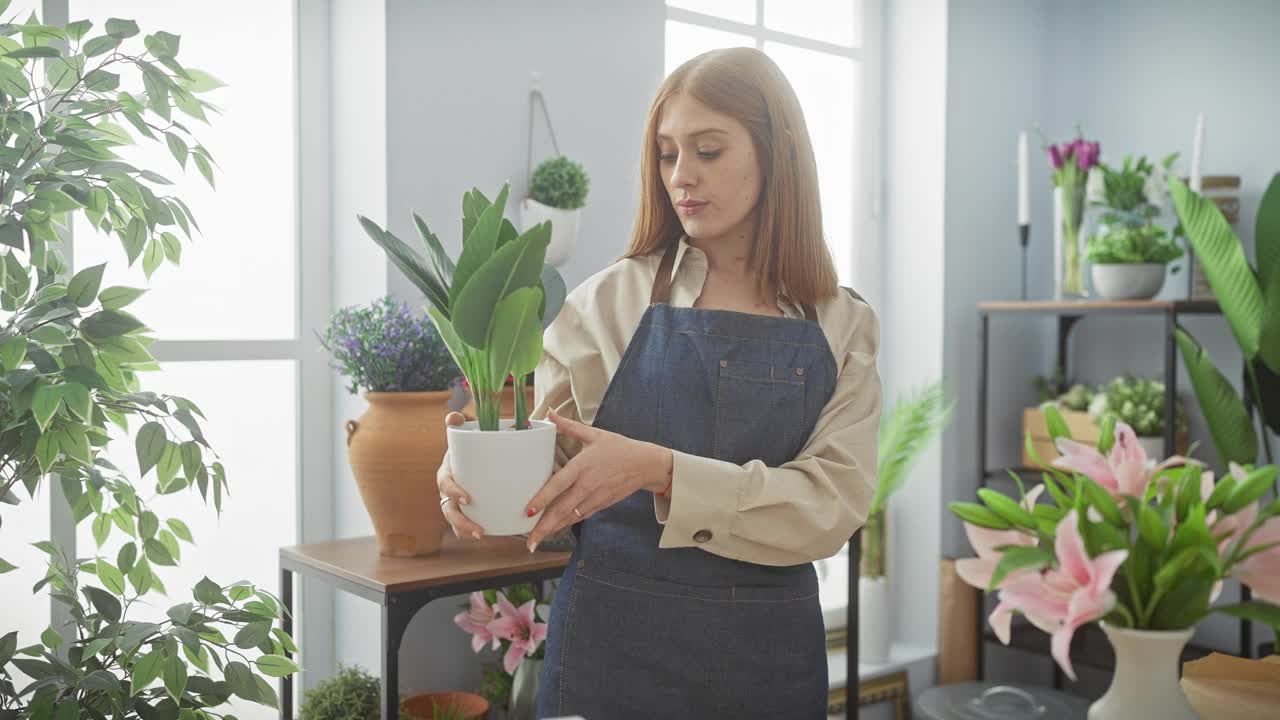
{"x": 516, "y": 265}
{"x": 458, "y": 349}
{"x": 1268, "y": 399}
{"x": 441, "y": 264}
{"x": 473, "y": 204}
{"x": 1224, "y": 263}
{"x": 1230, "y": 425}
{"x": 1267, "y": 238}
{"x": 516, "y": 340}
{"x": 554, "y": 293}
{"x": 478, "y": 247}
{"x": 1269, "y": 333}
{"x": 412, "y": 264}
{"x": 906, "y": 432}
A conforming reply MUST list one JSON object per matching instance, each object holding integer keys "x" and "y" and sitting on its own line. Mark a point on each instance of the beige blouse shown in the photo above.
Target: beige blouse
{"x": 802, "y": 511}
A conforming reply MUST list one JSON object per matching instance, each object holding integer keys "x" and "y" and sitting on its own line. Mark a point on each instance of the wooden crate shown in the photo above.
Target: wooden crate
{"x": 1078, "y": 422}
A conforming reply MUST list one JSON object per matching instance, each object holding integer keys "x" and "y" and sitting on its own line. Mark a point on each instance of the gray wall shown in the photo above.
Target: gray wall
{"x": 1133, "y": 74}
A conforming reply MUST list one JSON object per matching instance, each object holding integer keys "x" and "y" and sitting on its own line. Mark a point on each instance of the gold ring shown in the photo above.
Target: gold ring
{"x": 444, "y": 500}
{"x": 578, "y": 513}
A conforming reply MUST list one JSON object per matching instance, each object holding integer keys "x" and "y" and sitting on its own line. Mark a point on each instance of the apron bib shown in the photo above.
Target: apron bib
{"x": 642, "y": 632}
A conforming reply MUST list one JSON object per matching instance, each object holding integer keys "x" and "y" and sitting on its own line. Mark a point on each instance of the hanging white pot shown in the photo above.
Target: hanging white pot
{"x": 1145, "y": 684}
{"x": 875, "y": 620}
{"x": 564, "y": 228}
{"x": 502, "y": 471}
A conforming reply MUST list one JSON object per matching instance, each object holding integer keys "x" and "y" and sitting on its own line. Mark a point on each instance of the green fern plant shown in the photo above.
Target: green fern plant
{"x": 905, "y": 433}
{"x": 352, "y": 694}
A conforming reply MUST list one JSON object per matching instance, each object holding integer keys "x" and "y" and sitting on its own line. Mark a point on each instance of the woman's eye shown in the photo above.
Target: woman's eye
{"x": 709, "y": 154}
{"x": 666, "y": 158}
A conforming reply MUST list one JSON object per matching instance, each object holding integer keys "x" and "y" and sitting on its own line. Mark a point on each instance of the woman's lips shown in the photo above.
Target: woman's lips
{"x": 688, "y": 208}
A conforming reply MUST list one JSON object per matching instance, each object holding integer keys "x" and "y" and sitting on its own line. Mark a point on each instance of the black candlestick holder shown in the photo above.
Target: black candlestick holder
{"x": 1024, "y": 236}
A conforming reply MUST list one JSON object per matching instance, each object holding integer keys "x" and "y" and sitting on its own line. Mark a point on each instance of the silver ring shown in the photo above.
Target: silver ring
{"x": 444, "y": 500}
{"x": 578, "y": 513}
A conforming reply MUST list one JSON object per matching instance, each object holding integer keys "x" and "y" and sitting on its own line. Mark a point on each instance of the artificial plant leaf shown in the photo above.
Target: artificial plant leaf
{"x": 440, "y": 261}
{"x": 1225, "y": 265}
{"x": 516, "y": 265}
{"x": 554, "y": 293}
{"x": 1267, "y": 236}
{"x": 905, "y": 432}
{"x": 1269, "y": 332}
{"x": 515, "y": 341}
{"x": 1230, "y": 425}
{"x": 409, "y": 261}
{"x": 1268, "y": 397}
{"x": 457, "y": 348}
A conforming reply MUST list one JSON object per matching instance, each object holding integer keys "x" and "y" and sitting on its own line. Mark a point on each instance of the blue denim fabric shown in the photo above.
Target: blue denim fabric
{"x": 642, "y": 632}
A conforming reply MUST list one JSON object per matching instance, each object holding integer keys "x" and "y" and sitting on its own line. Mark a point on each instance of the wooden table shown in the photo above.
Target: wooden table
{"x": 403, "y": 586}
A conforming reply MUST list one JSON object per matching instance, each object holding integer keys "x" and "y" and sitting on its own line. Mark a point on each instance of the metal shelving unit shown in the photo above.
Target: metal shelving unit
{"x": 1090, "y": 648}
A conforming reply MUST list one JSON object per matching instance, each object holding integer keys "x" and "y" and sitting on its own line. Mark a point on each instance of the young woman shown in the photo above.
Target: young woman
{"x": 718, "y": 402}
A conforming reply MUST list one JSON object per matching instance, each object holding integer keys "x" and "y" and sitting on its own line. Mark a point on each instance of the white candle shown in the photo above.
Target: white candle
{"x": 1197, "y": 151}
{"x": 1024, "y": 198}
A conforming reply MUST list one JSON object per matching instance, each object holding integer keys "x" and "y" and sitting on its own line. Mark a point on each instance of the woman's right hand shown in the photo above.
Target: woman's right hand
{"x": 461, "y": 524}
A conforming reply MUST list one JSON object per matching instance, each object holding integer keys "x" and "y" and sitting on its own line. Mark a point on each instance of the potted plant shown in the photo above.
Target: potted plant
{"x": 905, "y": 432}
{"x": 557, "y": 192}
{"x": 351, "y": 694}
{"x": 490, "y": 308}
{"x": 1072, "y": 402}
{"x": 1128, "y": 250}
{"x": 1139, "y": 403}
{"x": 1139, "y": 547}
{"x": 70, "y": 359}
{"x": 1250, "y": 300}
{"x": 406, "y": 370}
{"x": 453, "y": 705}
{"x": 507, "y": 621}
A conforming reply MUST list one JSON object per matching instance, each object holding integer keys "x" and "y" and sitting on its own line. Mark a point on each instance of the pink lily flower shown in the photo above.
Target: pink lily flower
{"x": 1075, "y": 593}
{"x": 1126, "y": 469}
{"x": 476, "y": 621}
{"x": 978, "y": 571}
{"x": 1261, "y": 571}
{"x": 518, "y": 626}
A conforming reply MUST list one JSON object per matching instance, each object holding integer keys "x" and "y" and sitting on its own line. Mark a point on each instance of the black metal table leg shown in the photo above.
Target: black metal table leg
{"x": 851, "y": 629}
{"x": 397, "y": 611}
{"x": 1170, "y": 379}
{"x": 983, "y": 361}
{"x": 286, "y": 682}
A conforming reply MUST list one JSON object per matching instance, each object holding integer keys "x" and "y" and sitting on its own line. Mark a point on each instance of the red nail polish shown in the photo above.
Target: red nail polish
{"x": 531, "y": 512}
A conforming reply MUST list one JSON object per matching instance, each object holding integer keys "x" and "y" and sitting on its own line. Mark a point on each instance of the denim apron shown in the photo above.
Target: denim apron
{"x": 645, "y": 633}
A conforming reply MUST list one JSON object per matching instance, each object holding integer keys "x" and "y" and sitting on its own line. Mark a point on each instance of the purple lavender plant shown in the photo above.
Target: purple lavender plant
{"x": 386, "y": 347}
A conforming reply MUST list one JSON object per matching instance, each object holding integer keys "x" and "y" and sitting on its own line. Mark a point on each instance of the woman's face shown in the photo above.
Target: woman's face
{"x": 709, "y": 167}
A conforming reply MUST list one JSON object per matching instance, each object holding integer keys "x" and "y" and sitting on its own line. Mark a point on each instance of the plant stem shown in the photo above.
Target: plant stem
{"x": 522, "y": 412}
{"x": 1133, "y": 592}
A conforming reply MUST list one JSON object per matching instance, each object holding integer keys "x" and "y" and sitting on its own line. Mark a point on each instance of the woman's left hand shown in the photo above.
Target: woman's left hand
{"x": 609, "y": 467}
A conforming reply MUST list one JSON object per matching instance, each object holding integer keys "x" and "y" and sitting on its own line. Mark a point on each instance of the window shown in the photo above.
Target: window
{"x": 826, "y": 51}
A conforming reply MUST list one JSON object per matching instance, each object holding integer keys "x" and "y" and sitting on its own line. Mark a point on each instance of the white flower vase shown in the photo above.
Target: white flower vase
{"x": 524, "y": 690}
{"x": 564, "y": 228}
{"x": 875, "y": 620}
{"x": 502, "y": 471}
{"x": 1145, "y": 684}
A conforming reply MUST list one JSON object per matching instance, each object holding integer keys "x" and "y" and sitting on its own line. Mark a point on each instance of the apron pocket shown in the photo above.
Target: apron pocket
{"x": 777, "y": 657}
{"x": 760, "y": 411}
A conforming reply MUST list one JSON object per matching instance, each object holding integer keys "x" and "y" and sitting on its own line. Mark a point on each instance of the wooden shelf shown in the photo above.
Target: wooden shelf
{"x": 1100, "y": 307}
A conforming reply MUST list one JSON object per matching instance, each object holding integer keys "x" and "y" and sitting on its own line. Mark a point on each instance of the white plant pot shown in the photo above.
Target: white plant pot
{"x": 564, "y": 228}
{"x": 1128, "y": 281}
{"x": 875, "y": 620}
{"x": 1145, "y": 684}
{"x": 502, "y": 471}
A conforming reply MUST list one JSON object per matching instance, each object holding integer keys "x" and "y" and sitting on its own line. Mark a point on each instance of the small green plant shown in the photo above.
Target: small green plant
{"x": 492, "y": 305}
{"x": 1137, "y": 402}
{"x": 1136, "y": 187}
{"x": 386, "y": 347}
{"x": 1120, "y": 242}
{"x": 561, "y": 183}
{"x": 352, "y": 694}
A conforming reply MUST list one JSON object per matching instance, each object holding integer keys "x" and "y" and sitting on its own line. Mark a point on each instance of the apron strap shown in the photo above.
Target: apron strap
{"x": 661, "y": 292}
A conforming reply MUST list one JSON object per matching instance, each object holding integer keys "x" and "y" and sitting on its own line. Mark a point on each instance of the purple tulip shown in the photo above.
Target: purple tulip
{"x": 1055, "y": 157}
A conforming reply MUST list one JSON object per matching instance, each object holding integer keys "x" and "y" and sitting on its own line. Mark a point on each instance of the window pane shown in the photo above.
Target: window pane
{"x": 685, "y": 41}
{"x": 24, "y": 524}
{"x": 237, "y": 277}
{"x": 827, "y": 85}
{"x": 249, "y": 408}
{"x": 831, "y": 21}
{"x": 743, "y": 11}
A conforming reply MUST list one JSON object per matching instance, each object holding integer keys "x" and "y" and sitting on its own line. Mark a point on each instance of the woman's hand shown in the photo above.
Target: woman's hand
{"x": 609, "y": 468}
{"x": 460, "y": 523}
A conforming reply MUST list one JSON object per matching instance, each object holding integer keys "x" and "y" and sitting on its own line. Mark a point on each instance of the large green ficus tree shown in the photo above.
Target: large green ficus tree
{"x": 1250, "y": 299}
{"x": 70, "y": 354}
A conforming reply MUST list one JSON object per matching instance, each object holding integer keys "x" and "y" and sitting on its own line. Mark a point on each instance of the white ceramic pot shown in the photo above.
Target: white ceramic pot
{"x": 564, "y": 227}
{"x": 1128, "y": 281}
{"x": 1145, "y": 684}
{"x": 875, "y": 620}
{"x": 502, "y": 471}
{"x": 1153, "y": 446}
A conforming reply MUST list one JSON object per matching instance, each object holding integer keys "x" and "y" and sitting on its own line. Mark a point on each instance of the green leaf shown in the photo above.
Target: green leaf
{"x": 68, "y": 709}
{"x": 172, "y": 247}
{"x": 414, "y": 266}
{"x": 45, "y": 403}
{"x": 1230, "y": 424}
{"x": 210, "y": 593}
{"x": 1269, "y": 333}
{"x": 152, "y": 257}
{"x": 101, "y": 529}
{"x": 1101, "y": 499}
{"x": 457, "y": 348}
{"x": 100, "y": 45}
{"x": 202, "y": 163}
{"x": 976, "y": 514}
{"x": 150, "y": 445}
{"x": 180, "y": 529}
{"x": 1267, "y": 235}
{"x": 1007, "y": 508}
{"x": 146, "y": 670}
{"x": 241, "y": 680}
{"x": 1018, "y": 558}
{"x": 109, "y": 323}
{"x": 97, "y": 646}
{"x": 515, "y": 342}
{"x": 191, "y": 458}
{"x": 905, "y": 432}
{"x": 1106, "y": 433}
{"x": 1257, "y": 611}
{"x": 1256, "y": 484}
{"x": 1056, "y": 425}
{"x": 478, "y": 244}
{"x": 252, "y": 634}
{"x": 100, "y": 680}
{"x": 175, "y": 677}
{"x": 118, "y": 296}
{"x": 41, "y": 51}
{"x": 1151, "y": 528}
{"x": 554, "y": 294}
{"x": 148, "y": 525}
{"x": 158, "y": 554}
{"x": 122, "y": 29}
{"x": 168, "y": 464}
{"x": 516, "y": 265}
{"x": 1224, "y": 263}
{"x": 77, "y": 30}
{"x": 6, "y": 566}
{"x": 51, "y": 638}
{"x": 112, "y": 578}
{"x": 107, "y": 606}
{"x": 276, "y": 665}
{"x": 12, "y": 352}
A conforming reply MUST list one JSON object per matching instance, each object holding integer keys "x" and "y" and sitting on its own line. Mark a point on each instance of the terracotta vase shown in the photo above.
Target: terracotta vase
{"x": 395, "y": 449}
{"x": 473, "y": 706}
